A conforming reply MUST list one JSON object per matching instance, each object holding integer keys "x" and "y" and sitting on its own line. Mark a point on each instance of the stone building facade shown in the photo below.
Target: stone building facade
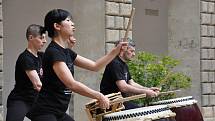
{"x": 198, "y": 50}
{"x": 117, "y": 15}
{"x": 207, "y": 12}
{"x": 1, "y": 60}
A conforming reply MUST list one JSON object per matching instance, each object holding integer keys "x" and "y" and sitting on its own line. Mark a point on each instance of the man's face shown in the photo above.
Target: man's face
{"x": 38, "y": 41}
{"x": 129, "y": 53}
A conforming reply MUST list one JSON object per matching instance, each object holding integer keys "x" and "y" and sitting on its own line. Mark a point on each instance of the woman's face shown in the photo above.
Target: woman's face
{"x": 67, "y": 27}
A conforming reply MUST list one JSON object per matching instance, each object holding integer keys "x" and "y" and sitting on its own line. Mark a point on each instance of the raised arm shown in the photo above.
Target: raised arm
{"x": 35, "y": 79}
{"x": 101, "y": 62}
{"x": 66, "y": 77}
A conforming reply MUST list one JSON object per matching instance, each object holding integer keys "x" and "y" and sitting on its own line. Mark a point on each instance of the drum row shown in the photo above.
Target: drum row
{"x": 178, "y": 109}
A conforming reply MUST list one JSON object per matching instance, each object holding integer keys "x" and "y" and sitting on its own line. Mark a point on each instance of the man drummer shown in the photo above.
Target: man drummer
{"x": 117, "y": 78}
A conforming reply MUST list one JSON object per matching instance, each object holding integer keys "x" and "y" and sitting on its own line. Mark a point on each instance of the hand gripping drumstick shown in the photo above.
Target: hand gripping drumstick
{"x": 119, "y": 99}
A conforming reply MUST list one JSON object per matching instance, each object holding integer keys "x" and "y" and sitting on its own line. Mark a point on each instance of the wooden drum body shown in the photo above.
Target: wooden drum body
{"x": 185, "y": 108}
{"x": 152, "y": 113}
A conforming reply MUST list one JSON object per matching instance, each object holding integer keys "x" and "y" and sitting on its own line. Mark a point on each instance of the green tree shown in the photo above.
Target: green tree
{"x": 151, "y": 70}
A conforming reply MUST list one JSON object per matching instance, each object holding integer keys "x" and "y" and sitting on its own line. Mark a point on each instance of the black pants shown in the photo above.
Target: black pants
{"x": 17, "y": 110}
{"x": 52, "y": 117}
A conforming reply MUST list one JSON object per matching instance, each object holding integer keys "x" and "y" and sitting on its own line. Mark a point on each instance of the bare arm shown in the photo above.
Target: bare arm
{"x": 66, "y": 77}
{"x": 101, "y": 62}
{"x": 133, "y": 83}
{"x": 127, "y": 88}
{"x": 35, "y": 79}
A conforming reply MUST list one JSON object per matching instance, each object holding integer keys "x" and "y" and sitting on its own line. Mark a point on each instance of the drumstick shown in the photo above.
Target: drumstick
{"x": 169, "y": 92}
{"x": 129, "y": 24}
{"x": 128, "y": 98}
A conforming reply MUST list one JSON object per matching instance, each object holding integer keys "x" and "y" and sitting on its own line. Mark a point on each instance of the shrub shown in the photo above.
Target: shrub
{"x": 151, "y": 70}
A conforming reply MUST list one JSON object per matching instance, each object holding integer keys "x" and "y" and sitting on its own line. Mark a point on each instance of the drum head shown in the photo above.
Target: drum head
{"x": 142, "y": 114}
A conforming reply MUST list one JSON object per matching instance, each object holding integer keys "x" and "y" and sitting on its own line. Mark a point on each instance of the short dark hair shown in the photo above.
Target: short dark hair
{"x": 131, "y": 42}
{"x": 54, "y": 16}
{"x": 35, "y": 30}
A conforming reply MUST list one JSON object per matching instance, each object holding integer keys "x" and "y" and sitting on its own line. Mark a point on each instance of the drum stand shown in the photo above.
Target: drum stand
{"x": 95, "y": 113}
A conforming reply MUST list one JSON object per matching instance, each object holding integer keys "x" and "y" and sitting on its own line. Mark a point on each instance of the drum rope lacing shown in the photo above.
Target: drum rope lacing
{"x": 175, "y": 101}
{"x": 136, "y": 114}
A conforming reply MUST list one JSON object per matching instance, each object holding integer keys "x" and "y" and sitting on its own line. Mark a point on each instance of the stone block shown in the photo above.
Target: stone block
{"x": 209, "y": 119}
{"x": 1, "y": 92}
{"x": 211, "y": 76}
{"x": 205, "y": 42}
{"x": 115, "y": 0}
{"x": 212, "y": 100}
{"x": 119, "y": 22}
{"x": 213, "y": 19}
{"x": 122, "y": 34}
{"x": 1, "y": 16}
{"x": 128, "y": 1}
{"x": 112, "y": 8}
{"x": 210, "y": 30}
{"x": 1, "y": 45}
{"x": 109, "y": 47}
{"x": 126, "y": 20}
{"x": 125, "y": 9}
{"x": 207, "y": 112}
{"x": 204, "y": 6}
{"x": 205, "y": 76}
{"x": 213, "y": 65}
{"x": 1, "y": 62}
{"x": 205, "y": 65}
{"x": 213, "y": 87}
{"x": 1, "y": 79}
{"x": 206, "y": 88}
{"x": 1, "y": 113}
{"x": 204, "y": 54}
{"x": 204, "y": 30}
{"x": 112, "y": 35}
{"x": 205, "y": 100}
{"x": 211, "y": 54}
{"x": 110, "y": 22}
{"x": 213, "y": 42}
{"x": 211, "y": 7}
{"x": 1, "y": 29}
{"x": 205, "y": 18}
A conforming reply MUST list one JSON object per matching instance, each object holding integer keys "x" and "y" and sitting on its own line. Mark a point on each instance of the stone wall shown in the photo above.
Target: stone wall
{"x": 116, "y": 19}
{"x": 1, "y": 61}
{"x": 207, "y": 13}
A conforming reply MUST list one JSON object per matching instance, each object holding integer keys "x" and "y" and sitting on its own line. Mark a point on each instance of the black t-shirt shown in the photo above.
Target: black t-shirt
{"x": 23, "y": 89}
{"x": 54, "y": 96}
{"x": 114, "y": 71}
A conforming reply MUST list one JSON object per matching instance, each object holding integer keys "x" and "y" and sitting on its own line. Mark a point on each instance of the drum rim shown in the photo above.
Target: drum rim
{"x": 174, "y": 100}
{"x": 130, "y": 114}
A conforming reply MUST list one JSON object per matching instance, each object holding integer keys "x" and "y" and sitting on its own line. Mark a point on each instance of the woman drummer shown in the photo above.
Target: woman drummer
{"x": 58, "y": 63}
